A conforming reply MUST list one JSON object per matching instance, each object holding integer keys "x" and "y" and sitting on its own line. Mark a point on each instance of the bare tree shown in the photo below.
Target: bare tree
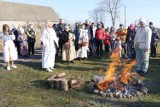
{"x": 40, "y": 26}
{"x": 98, "y": 15}
{"x": 112, "y": 7}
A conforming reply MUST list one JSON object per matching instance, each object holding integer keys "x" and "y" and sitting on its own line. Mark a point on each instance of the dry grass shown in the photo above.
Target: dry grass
{"x": 25, "y": 86}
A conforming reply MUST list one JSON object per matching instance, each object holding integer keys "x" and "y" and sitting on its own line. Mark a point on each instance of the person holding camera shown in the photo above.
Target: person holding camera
{"x": 9, "y": 49}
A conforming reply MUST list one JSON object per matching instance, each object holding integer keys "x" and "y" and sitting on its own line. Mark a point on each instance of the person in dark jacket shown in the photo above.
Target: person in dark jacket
{"x": 90, "y": 36}
{"x": 60, "y": 28}
{"x": 16, "y": 42}
{"x": 154, "y": 39}
{"x": 31, "y": 38}
{"x": 130, "y": 41}
{"x": 77, "y": 34}
{"x": 56, "y": 30}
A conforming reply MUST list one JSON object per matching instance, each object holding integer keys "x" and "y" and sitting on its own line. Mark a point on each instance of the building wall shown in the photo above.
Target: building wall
{"x": 11, "y": 23}
{"x": 38, "y": 26}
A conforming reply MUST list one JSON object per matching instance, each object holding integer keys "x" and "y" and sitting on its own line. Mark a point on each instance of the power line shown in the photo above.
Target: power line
{"x": 76, "y": 12}
{"x": 145, "y": 6}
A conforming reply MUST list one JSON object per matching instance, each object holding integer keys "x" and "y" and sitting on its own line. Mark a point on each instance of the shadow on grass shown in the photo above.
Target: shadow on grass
{"x": 123, "y": 103}
{"x": 152, "y": 76}
{"x": 78, "y": 68}
{"x": 41, "y": 84}
{"x": 34, "y": 65}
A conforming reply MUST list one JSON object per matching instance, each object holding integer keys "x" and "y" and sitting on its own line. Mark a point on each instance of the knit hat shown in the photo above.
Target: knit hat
{"x": 132, "y": 26}
{"x": 142, "y": 20}
{"x": 120, "y": 25}
{"x": 150, "y": 23}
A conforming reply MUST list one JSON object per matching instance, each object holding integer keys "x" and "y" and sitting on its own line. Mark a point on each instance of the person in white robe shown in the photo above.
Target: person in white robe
{"x": 49, "y": 45}
{"x": 9, "y": 49}
{"x": 82, "y": 52}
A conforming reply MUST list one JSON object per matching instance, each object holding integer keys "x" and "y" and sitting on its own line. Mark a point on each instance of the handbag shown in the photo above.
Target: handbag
{"x": 67, "y": 45}
{"x": 82, "y": 42}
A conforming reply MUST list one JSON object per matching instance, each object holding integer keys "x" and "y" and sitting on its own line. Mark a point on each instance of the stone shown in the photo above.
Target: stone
{"x": 111, "y": 95}
{"x": 103, "y": 94}
{"x": 138, "y": 93}
{"x": 96, "y": 91}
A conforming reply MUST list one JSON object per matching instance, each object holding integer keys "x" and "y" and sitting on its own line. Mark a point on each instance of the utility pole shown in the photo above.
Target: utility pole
{"x": 125, "y": 15}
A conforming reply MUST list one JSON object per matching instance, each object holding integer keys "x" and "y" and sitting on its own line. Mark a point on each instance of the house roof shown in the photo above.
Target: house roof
{"x": 10, "y": 11}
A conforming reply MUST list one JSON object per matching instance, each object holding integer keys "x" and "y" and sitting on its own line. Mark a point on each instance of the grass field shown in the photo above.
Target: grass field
{"x": 25, "y": 86}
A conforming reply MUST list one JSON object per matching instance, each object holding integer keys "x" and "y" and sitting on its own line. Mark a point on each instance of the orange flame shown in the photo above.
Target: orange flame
{"x": 111, "y": 76}
{"x": 100, "y": 71}
{"x": 126, "y": 72}
{"x": 110, "y": 73}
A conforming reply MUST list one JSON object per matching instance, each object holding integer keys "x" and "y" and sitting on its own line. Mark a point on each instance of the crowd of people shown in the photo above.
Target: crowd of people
{"x": 85, "y": 39}
{"x": 16, "y": 42}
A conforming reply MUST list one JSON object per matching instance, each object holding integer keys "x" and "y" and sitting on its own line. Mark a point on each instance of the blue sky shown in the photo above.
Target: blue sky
{"x": 78, "y": 10}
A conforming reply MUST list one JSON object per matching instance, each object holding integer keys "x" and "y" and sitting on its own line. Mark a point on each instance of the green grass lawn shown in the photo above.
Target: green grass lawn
{"x": 25, "y": 86}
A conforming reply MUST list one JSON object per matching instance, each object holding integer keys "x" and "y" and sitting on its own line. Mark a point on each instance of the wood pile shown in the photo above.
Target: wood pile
{"x": 60, "y": 82}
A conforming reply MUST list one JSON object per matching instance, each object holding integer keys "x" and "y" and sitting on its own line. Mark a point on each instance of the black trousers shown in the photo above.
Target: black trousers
{"x": 31, "y": 47}
{"x": 107, "y": 48}
{"x": 153, "y": 50}
{"x": 99, "y": 44}
{"x": 17, "y": 46}
{"x": 124, "y": 48}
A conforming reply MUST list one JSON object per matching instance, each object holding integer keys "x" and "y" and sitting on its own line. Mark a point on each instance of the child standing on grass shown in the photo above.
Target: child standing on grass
{"x": 9, "y": 49}
{"x": 107, "y": 41}
{"x": 119, "y": 46}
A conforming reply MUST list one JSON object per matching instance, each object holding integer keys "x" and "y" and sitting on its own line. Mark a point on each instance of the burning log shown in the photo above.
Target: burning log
{"x": 124, "y": 84}
{"x": 91, "y": 87}
{"x": 98, "y": 79}
{"x": 103, "y": 85}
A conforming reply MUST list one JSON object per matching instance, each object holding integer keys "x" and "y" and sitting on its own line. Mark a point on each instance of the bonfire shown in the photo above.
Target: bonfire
{"x": 118, "y": 83}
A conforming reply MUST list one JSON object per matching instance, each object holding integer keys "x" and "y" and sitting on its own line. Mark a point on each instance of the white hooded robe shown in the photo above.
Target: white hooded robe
{"x": 50, "y": 41}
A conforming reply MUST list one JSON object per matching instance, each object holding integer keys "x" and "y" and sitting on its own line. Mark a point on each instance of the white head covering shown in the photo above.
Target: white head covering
{"x": 49, "y": 24}
{"x": 15, "y": 26}
{"x": 66, "y": 28}
{"x": 142, "y": 19}
{"x": 21, "y": 30}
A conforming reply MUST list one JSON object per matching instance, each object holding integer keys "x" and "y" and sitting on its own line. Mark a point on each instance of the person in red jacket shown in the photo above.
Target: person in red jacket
{"x": 100, "y": 35}
{"x": 107, "y": 40}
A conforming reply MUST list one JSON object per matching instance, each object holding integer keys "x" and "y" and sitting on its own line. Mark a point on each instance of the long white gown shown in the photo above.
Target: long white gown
{"x": 82, "y": 52}
{"x": 9, "y": 49}
{"x": 49, "y": 40}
